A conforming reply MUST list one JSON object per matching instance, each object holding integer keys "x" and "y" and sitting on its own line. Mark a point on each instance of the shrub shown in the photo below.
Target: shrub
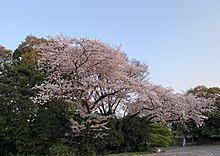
{"x": 61, "y": 150}
{"x": 160, "y": 136}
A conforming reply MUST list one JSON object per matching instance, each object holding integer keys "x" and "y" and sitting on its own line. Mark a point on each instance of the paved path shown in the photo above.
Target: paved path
{"x": 213, "y": 150}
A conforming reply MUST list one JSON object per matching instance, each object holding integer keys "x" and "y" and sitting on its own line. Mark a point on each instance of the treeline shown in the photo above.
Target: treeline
{"x": 28, "y": 128}
{"x": 209, "y": 131}
{"x": 56, "y": 127}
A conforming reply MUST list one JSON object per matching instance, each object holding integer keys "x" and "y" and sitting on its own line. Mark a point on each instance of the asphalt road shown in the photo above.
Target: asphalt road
{"x": 208, "y": 150}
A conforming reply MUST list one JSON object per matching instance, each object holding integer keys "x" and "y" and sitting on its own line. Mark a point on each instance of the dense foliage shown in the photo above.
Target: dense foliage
{"x": 27, "y": 127}
{"x": 133, "y": 133}
{"x": 210, "y": 129}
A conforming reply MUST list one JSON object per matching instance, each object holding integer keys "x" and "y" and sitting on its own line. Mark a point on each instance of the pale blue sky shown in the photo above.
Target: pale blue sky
{"x": 178, "y": 39}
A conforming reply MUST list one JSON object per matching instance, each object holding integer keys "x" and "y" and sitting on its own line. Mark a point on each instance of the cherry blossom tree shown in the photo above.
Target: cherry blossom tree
{"x": 163, "y": 105}
{"x": 98, "y": 81}
{"x": 94, "y": 77}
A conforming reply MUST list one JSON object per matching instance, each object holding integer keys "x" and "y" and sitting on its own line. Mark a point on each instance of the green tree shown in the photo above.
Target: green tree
{"x": 136, "y": 133}
{"x": 27, "y": 50}
{"x": 17, "y": 110}
{"x": 5, "y": 57}
{"x": 211, "y": 127}
{"x": 51, "y": 127}
{"x": 27, "y": 127}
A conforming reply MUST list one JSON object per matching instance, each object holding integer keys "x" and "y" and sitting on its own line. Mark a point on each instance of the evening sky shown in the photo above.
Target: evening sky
{"x": 178, "y": 39}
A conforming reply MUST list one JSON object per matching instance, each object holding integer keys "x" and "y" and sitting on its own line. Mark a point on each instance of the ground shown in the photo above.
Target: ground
{"x": 205, "y": 150}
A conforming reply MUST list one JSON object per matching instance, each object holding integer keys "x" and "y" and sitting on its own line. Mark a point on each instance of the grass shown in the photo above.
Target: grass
{"x": 128, "y": 154}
